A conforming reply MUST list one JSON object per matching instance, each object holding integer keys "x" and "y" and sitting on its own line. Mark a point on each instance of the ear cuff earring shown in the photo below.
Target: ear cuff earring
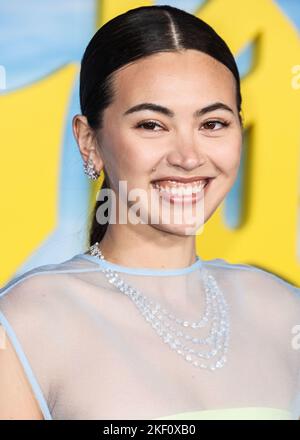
{"x": 89, "y": 169}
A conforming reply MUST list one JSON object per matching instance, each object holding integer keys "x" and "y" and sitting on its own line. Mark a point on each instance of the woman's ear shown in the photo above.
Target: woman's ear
{"x": 86, "y": 141}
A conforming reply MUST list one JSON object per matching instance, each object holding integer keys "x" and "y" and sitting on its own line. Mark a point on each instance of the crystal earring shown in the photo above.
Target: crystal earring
{"x": 89, "y": 169}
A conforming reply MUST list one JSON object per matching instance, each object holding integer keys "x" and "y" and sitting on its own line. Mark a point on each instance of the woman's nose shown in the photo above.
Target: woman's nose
{"x": 187, "y": 155}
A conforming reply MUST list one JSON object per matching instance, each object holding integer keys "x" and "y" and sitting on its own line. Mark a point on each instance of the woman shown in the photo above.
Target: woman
{"x": 139, "y": 326}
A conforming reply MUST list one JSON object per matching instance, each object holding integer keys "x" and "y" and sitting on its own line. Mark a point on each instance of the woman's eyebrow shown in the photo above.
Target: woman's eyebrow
{"x": 167, "y": 112}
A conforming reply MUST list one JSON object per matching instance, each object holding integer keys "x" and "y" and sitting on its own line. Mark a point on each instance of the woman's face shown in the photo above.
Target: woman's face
{"x": 176, "y": 142}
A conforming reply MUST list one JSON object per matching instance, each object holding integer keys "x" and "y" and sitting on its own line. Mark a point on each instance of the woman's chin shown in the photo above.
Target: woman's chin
{"x": 180, "y": 229}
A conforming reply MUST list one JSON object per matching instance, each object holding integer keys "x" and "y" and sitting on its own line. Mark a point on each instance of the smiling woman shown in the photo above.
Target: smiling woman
{"x": 139, "y": 326}
{"x": 127, "y": 98}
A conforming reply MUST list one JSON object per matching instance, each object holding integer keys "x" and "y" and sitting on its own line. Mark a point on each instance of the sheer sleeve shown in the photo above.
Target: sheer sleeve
{"x": 32, "y": 317}
{"x": 28, "y": 313}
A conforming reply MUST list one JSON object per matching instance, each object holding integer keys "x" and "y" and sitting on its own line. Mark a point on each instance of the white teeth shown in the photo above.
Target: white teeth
{"x": 183, "y": 189}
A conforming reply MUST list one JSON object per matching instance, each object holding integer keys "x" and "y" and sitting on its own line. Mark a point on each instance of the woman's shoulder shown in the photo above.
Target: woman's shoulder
{"x": 254, "y": 283}
{"x": 44, "y": 302}
{"x": 75, "y": 264}
{"x": 40, "y": 312}
{"x": 42, "y": 286}
{"x": 253, "y": 273}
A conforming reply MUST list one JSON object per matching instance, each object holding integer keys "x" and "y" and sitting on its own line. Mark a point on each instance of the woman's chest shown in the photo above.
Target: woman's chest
{"x": 124, "y": 369}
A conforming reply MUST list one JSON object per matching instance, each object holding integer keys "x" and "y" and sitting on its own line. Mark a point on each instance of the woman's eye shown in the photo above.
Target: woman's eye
{"x": 210, "y": 124}
{"x": 150, "y": 125}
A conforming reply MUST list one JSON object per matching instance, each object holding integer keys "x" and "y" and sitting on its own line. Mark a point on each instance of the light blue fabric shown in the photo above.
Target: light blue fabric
{"x": 82, "y": 264}
{"x": 144, "y": 271}
{"x": 27, "y": 368}
{"x": 45, "y": 269}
